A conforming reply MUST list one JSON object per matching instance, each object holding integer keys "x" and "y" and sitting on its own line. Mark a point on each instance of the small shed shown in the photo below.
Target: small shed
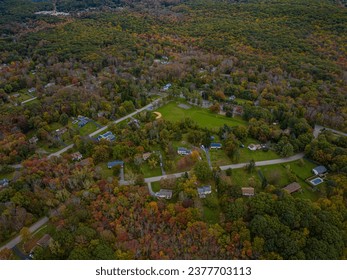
{"x": 293, "y": 187}
{"x": 247, "y": 191}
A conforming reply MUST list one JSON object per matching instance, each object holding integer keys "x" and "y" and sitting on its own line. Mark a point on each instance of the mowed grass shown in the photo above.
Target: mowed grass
{"x": 148, "y": 172}
{"x": 202, "y": 117}
{"x": 156, "y": 186}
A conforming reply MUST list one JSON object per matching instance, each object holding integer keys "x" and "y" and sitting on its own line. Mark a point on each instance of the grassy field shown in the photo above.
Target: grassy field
{"x": 240, "y": 177}
{"x": 105, "y": 171}
{"x": 219, "y": 158}
{"x": 156, "y": 186}
{"x": 87, "y": 129}
{"x": 202, "y": 117}
{"x": 148, "y": 172}
{"x": 259, "y": 155}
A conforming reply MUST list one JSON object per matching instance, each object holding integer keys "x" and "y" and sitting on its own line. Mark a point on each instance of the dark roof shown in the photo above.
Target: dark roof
{"x": 217, "y": 145}
{"x": 114, "y": 163}
{"x": 320, "y": 169}
{"x": 293, "y": 187}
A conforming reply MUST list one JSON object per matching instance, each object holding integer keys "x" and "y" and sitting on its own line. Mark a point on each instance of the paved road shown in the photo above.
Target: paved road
{"x": 151, "y": 192}
{"x": 208, "y": 157}
{"x": 318, "y": 128}
{"x": 265, "y": 162}
{"x": 26, "y": 101}
{"x": 32, "y": 228}
{"x": 236, "y": 166}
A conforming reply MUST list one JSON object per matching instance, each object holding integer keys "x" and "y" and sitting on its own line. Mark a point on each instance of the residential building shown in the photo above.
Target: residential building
{"x": 215, "y": 146}
{"x": 254, "y": 147}
{"x": 31, "y": 90}
{"x": 115, "y": 163}
{"x": 204, "y": 190}
{"x": 321, "y": 169}
{"x": 164, "y": 193}
{"x": 166, "y": 87}
{"x": 107, "y": 136}
{"x": 33, "y": 140}
{"x": 183, "y": 151}
{"x": 146, "y": 156}
{"x": 293, "y": 187}
{"x": 76, "y": 156}
{"x": 4, "y": 183}
{"x": 247, "y": 191}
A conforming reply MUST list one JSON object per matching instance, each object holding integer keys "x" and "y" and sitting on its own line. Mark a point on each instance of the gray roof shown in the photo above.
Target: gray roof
{"x": 320, "y": 169}
{"x": 204, "y": 189}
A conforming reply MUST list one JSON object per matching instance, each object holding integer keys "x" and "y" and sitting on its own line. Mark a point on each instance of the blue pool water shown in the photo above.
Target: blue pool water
{"x": 316, "y": 181}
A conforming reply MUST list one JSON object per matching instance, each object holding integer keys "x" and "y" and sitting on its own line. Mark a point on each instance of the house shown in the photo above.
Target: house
{"x": 254, "y": 147}
{"x": 321, "y": 169}
{"x": 33, "y": 140}
{"x": 82, "y": 121}
{"x": 215, "y": 146}
{"x": 146, "y": 156}
{"x": 76, "y": 156}
{"x": 183, "y": 151}
{"x": 232, "y": 98}
{"x": 204, "y": 190}
{"x": 115, "y": 163}
{"x": 247, "y": 191}
{"x": 166, "y": 87}
{"x": 134, "y": 123}
{"x": 107, "y": 136}
{"x": 4, "y": 183}
{"x": 164, "y": 193}
{"x": 49, "y": 85}
{"x": 293, "y": 187}
{"x": 44, "y": 241}
{"x": 31, "y": 90}
{"x": 61, "y": 131}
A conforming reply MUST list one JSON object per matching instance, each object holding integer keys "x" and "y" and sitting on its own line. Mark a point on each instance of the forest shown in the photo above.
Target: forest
{"x": 282, "y": 63}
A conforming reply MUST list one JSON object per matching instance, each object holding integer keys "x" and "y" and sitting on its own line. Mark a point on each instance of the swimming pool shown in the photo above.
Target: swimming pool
{"x": 316, "y": 181}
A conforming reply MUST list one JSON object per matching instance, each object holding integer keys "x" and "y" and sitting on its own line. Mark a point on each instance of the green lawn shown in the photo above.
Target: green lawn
{"x": 240, "y": 177}
{"x": 246, "y": 155}
{"x": 87, "y": 129}
{"x": 148, "y": 172}
{"x": 211, "y": 216}
{"x": 105, "y": 171}
{"x": 202, "y": 117}
{"x": 219, "y": 158}
{"x": 156, "y": 186}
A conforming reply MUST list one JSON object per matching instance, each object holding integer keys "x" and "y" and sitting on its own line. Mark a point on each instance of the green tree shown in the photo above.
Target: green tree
{"x": 202, "y": 171}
